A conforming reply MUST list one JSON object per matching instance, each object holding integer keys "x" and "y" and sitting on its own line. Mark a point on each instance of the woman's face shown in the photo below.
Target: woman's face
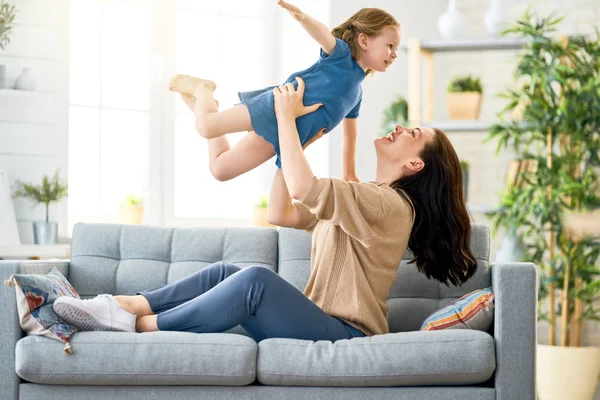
{"x": 401, "y": 149}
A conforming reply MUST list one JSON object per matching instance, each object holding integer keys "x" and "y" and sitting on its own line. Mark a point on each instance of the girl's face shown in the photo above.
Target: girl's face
{"x": 379, "y": 52}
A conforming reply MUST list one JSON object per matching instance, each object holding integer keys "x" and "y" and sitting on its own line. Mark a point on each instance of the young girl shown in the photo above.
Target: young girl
{"x": 365, "y": 42}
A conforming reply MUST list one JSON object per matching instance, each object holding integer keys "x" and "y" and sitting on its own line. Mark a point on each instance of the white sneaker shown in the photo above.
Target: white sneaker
{"x": 102, "y": 313}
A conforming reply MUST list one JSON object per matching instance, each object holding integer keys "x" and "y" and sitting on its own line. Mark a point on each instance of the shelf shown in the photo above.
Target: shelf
{"x": 459, "y": 126}
{"x": 34, "y": 250}
{"x": 480, "y": 208}
{"x": 442, "y": 46}
{"x": 22, "y": 93}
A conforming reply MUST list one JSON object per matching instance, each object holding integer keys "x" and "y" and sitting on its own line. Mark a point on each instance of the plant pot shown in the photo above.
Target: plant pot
{"x": 259, "y": 217}
{"x": 465, "y": 179}
{"x": 567, "y": 372}
{"x": 45, "y": 232}
{"x": 2, "y": 75}
{"x": 464, "y": 105}
{"x": 129, "y": 214}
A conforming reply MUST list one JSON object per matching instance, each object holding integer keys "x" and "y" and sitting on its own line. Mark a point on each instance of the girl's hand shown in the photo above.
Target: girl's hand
{"x": 293, "y": 10}
{"x": 288, "y": 101}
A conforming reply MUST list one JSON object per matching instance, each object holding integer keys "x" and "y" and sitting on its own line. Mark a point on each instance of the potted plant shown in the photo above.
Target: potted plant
{"x": 259, "y": 212}
{"x": 395, "y": 113}
{"x": 464, "y": 97}
{"x": 51, "y": 190}
{"x": 131, "y": 211}
{"x": 7, "y": 16}
{"x": 559, "y": 134}
{"x": 464, "y": 167}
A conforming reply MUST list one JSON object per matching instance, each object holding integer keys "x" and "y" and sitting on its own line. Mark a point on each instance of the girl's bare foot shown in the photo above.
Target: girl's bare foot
{"x": 187, "y": 84}
{"x": 190, "y": 101}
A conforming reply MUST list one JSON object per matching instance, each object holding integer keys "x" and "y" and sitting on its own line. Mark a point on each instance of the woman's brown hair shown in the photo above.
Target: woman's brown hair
{"x": 369, "y": 21}
{"x": 440, "y": 237}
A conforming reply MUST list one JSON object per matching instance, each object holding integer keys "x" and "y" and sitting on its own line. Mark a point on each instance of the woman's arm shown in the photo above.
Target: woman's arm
{"x": 316, "y": 29}
{"x": 350, "y": 128}
{"x": 288, "y": 106}
{"x": 281, "y": 211}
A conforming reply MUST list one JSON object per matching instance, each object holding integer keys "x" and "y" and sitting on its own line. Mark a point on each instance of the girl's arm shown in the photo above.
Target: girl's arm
{"x": 350, "y": 128}
{"x": 316, "y": 29}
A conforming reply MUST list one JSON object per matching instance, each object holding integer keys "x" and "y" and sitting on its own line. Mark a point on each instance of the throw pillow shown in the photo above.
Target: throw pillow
{"x": 35, "y": 295}
{"x": 474, "y": 310}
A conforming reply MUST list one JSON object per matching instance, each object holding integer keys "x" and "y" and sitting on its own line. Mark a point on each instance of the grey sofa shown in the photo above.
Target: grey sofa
{"x": 404, "y": 364}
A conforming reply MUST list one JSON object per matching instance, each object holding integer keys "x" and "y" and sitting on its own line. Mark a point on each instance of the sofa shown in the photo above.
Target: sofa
{"x": 404, "y": 364}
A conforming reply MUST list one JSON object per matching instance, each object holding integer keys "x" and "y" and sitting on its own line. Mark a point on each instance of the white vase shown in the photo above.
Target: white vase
{"x": 25, "y": 81}
{"x": 452, "y": 23}
{"x": 496, "y": 19}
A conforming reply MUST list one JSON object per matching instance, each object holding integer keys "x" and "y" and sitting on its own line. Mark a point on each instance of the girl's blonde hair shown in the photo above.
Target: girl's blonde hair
{"x": 370, "y": 21}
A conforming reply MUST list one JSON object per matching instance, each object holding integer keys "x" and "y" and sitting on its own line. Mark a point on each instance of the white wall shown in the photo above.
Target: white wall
{"x": 33, "y": 128}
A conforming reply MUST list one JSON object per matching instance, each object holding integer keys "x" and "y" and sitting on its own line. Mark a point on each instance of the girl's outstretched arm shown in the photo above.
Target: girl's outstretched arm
{"x": 350, "y": 128}
{"x": 316, "y": 29}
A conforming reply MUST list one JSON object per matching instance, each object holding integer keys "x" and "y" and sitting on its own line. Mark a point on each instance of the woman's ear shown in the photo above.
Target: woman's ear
{"x": 362, "y": 41}
{"x": 415, "y": 164}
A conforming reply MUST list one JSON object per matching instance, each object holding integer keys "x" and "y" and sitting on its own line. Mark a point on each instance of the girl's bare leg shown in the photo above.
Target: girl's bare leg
{"x": 226, "y": 163}
{"x": 210, "y": 123}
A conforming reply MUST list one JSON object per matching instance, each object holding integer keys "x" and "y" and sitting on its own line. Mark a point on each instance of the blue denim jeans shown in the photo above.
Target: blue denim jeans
{"x": 222, "y": 295}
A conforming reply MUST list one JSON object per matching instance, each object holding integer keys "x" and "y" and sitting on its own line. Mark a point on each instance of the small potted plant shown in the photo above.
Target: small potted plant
{"x": 464, "y": 167}
{"x": 51, "y": 190}
{"x": 7, "y": 16}
{"x": 259, "y": 213}
{"x": 464, "y": 97}
{"x": 131, "y": 211}
{"x": 395, "y": 113}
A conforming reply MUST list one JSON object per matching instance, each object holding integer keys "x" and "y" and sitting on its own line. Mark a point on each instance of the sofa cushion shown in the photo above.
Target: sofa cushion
{"x": 449, "y": 357}
{"x": 156, "y": 358}
{"x": 474, "y": 310}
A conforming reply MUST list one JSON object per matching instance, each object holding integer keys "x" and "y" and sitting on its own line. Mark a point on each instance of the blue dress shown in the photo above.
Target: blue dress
{"x": 334, "y": 80}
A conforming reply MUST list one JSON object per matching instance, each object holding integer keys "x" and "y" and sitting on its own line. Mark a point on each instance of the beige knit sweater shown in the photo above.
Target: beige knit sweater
{"x": 359, "y": 232}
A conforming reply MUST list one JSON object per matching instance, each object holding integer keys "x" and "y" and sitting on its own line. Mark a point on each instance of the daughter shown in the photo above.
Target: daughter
{"x": 365, "y": 42}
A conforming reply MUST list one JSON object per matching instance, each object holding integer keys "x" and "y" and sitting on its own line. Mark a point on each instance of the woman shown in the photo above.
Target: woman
{"x": 360, "y": 232}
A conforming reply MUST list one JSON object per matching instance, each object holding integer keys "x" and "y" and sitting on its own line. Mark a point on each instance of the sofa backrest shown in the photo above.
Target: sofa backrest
{"x": 413, "y": 297}
{"x": 125, "y": 259}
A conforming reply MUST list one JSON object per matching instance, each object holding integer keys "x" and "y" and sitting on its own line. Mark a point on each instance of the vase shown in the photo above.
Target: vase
{"x": 45, "y": 232}
{"x": 463, "y": 105}
{"x": 452, "y": 23}
{"x": 496, "y": 19}
{"x": 259, "y": 217}
{"x": 2, "y": 75}
{"x": 511, "y": 249}
{"x": 25, "y": 81}
{"x": 130, "y": 214}
{"x": 567, "y": 372}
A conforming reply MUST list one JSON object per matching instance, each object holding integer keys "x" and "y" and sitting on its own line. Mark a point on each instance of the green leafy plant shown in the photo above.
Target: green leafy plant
{"x": 559, "y": 135}
{"x": 51, "y": 190}
{"x": 464, "y": 165}
{"x": 133, "y": 200}
{"x": 263, "y": 202}
{"x": 395, "y": 113}
{"x": 465, "y": 83}
{"x": 7, "y": 16}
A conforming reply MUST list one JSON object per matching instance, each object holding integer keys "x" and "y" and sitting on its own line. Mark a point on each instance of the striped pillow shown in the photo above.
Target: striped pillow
{"x": 474, "y": 310}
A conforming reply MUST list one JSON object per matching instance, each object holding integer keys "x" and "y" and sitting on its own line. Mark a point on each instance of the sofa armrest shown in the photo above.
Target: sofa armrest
{"x": 515, "y": 287}
{"x": 10, "y": 330}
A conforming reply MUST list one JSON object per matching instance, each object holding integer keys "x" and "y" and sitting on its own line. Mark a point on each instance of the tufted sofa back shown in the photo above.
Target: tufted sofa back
{"x": 125, "y": 259}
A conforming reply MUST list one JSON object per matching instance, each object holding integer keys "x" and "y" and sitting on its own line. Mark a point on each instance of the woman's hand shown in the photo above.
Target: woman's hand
{"x": 293, "y": 10}
{"x": 288, "y": 101}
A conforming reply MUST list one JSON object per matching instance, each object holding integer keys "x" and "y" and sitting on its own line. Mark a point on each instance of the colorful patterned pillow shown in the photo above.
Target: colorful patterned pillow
{"x": 35, "y": 295}
{"x": 474, "y": 310}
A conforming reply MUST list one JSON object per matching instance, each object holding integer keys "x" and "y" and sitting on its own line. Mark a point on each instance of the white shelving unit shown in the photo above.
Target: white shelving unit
{"x": 421, "y": 72}
{"x": 34, "y": 251}
{"x": 22, "y": 93}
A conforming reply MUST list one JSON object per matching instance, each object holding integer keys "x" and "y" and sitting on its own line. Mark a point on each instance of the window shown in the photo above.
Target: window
{"x": 128, "y": 135}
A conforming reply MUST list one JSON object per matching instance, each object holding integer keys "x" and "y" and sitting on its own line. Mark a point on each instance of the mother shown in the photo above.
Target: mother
{"x": 360, "y": 231}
